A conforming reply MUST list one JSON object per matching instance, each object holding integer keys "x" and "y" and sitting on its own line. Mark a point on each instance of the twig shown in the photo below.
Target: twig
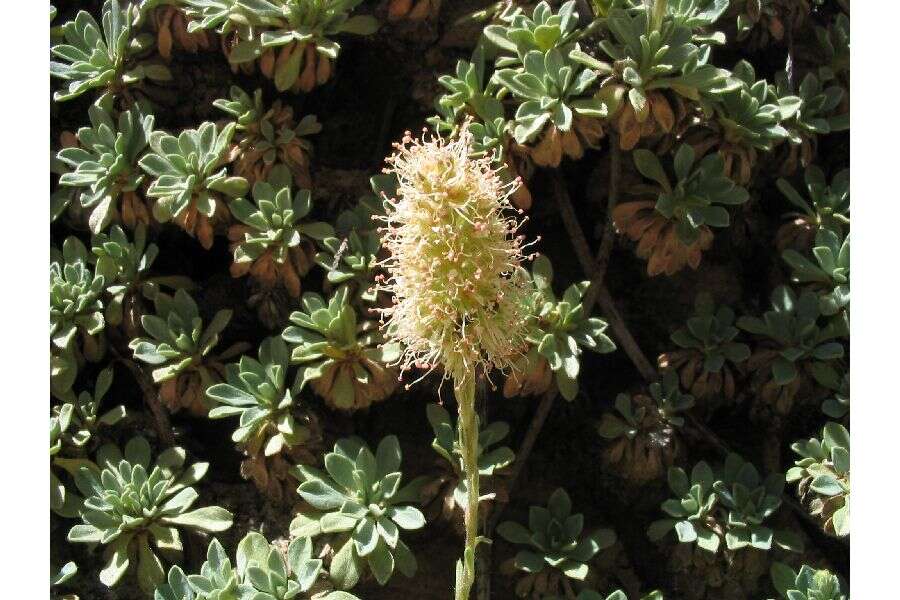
{"x": 609, "y": 309}
{"x": 537, "y": 423}
{"x": 151, "y": 397}
{"x": 708, "y": 434}
{"x": 609, "y": 234}
{"x": 592, "y": 269}
{"x": 623, "y": 335}
{"x": 596, "y": 270}
{"x": 573, "y": 228}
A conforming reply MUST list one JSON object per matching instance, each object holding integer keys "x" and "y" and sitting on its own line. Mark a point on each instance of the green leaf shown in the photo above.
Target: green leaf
{"x": 150, "y": 570}
{"x": 406, "y": 517}
{"x": 783, "y": 578}
{"x": 686, "y": 531}
{"x": 208, "y": 518}
{"x": 180, "y": 502}
{"x": 117, "y": 563}
{"x": 404, "y": 559}
{"x": 341, "y": 469}
{"x": 567, "y": 386}
{"x": 245, "y": 51}
{"x": 137, "y": 451}
{"x": 337, "y": 522}
{"x": 650, "y": 167}
{"x": 678, "y": 481}
{"x": 659, "y": 529}
{"x": 826, "y": 485}
{"x": 841, "y": 520}
{"x": 288, "y": 71}
{"x": 684, "y": 158}
{"x": 575, "y": 570}
{"x": 708, "y": 540}
{"x": 321, "y": 495}
{"x": 529, "y": 562}
{"x": 66, "y": 572}
{"x": 365, "y": 537}
{"x": 253, "y": 548}
{"x": 304, "y": 569}
{"x": 231, "y": 395}
{"x": 514, "y": 533}
{"x": 345, "y": 567}
{"x": 388, "y": 456}
{"x": 361, "y": 25}
{"x": 381, "y": 562}
{"x": 559, "y": 504}
{"x": 85, "y": 534}
{"x": 783, "y": 371}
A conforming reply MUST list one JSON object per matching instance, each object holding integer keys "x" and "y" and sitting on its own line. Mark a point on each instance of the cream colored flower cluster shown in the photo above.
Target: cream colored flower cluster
{"x": 454, "y": 271}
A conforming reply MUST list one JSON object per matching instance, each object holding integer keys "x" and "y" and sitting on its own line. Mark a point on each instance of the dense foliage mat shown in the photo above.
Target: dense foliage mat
{"x": 384, "y": 298}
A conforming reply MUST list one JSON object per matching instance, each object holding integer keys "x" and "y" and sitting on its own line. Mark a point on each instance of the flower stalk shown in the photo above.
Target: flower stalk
{"x": 468, "y": 441}
{"x": 459, "y": 291}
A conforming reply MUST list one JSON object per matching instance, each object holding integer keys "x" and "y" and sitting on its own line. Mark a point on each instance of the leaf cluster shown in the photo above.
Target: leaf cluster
{"x": 275, "y": 218}
{"x": 102, "y": 57}
{"x": 817, "y": 114}
{"x": 711, "y": 332}
{"x": 752, "y": 112}
{"x": 269, "y": 133}
{"x": 273, "y": 24}
{"x": 731, "y": 505}
{"x": 632, "y": 417}
{"x": 823, "y": 471}
{"x": 327, "y": 340}
{"x": 256, "y": 392}
{"x": 131, "y": 499}
{"x": 178, "y": 339}
{"x": 554, "y": 539}
{"x": 105, "y": 163}
{"x": 654, "y": 49}
{"x": 351, "y": 252}
{"x": 75, "y": 290}
{"x": 792, "y": 327}
{"x": 184, "y": 170}
{"x": 700, "y": 189}
{"x": 807, "y": 583}
{"x": 830, "y": 272}
{"x": 358, "y": 498}
{"x": 559, "y": 330}
{"x": 261, "y": 572}
{"x": 827, "y": 206}
{"x": 446, "y": 444}
{"x": 76, "y": 307}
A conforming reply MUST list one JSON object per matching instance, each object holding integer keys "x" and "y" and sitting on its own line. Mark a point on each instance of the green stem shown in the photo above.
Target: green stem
{"x": 468, "y": 442}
